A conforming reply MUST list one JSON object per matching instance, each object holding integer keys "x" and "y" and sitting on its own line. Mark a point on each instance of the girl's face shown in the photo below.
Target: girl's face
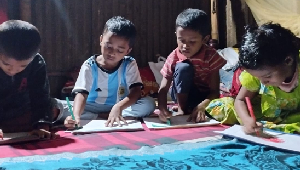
{"x": 275, "y": 75}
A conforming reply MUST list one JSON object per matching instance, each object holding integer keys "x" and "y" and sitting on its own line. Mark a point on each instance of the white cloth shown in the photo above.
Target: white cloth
{"x": 284, "y": 12}
{"x": 156, "y": 67}
{"x": 231, "y": 56}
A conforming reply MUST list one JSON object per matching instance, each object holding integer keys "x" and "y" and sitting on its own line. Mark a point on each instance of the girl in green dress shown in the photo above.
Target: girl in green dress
{"x": 269, "y": 56}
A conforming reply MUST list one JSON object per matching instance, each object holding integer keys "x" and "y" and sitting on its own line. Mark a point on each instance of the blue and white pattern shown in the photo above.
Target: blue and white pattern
{"x": 223, "y": 155}
{"x": 107, "y": 88}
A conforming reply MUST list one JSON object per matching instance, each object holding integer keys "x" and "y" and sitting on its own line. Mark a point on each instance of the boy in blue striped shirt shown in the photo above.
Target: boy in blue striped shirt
{"x": 110, "y": 82}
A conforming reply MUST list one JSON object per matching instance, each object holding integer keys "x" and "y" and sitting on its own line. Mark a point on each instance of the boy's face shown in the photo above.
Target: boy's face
{"x": 189, "y": 41}
{"x": 11, "y": 66}
{"x": 113, "y": 48}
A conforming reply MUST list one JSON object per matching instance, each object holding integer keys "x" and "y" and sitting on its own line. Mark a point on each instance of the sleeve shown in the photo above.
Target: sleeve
{"x": 39, "y": 92}
{"x": 133, "y": 77}
{"x": 167, "y": 71}
{"x": 84, "y": 81}
{"x": 249, "y": 82}
{"x": 216, "y": 62}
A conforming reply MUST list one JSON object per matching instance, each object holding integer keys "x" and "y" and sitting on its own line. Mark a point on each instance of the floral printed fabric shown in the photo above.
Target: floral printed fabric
{"x": 233, "y": 155}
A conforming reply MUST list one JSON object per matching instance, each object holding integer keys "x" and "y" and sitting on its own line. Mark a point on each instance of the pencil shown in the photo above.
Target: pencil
{"x": 71, "y": 111}
{"x": 249, "y": 106}
{"x": 169, "y": 121}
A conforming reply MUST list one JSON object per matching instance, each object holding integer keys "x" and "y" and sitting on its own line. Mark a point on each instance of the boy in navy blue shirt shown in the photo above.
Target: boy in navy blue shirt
{"x": 24, "y": 88}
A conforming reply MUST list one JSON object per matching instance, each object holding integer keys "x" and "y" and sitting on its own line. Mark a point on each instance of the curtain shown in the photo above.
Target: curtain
{"x": 284, "y": 12}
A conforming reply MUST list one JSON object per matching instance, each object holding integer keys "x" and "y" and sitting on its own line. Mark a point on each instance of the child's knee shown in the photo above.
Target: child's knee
{"x": 148, "y": 105}
{"x": 184, "y": 69}
{"x": 183, "y": 77}
{"x": 60, "y": 109}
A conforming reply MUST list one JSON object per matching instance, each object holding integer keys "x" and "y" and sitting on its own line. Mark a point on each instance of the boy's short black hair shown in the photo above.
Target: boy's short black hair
{"x": 194, "y": 19}
{"x": 267, "y": 45}
{"x": 121, "y": 27}
{"x": 19, "y": 40}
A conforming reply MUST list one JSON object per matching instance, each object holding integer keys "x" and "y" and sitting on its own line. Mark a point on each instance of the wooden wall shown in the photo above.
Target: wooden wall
{"x": 70, "y": 29}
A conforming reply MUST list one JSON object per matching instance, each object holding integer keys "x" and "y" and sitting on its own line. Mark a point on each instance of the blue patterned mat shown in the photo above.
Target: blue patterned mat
{"x": 224, "y": 155}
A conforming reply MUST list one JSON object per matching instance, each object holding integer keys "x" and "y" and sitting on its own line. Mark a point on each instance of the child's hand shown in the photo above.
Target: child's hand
{"x": 163, "y": 115}
{"x": 251, "y": 126}
{"x": 1, "y": 134}
{"x": 70, "y": 123}
{"x": 198, "y": 114}
{"x": 115, "y": 115}
{"x": 43, "y": 134}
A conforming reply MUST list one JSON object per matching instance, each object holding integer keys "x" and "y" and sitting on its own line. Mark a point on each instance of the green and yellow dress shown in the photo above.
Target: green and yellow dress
{"x": 273, "y": 107}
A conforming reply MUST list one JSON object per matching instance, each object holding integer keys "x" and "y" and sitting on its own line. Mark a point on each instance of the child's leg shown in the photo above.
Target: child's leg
{"x": 64, "y": 112}
{"x": 182, "y": 84}
{"x": 143, "y": 107}
{"x": 290, "y": 124}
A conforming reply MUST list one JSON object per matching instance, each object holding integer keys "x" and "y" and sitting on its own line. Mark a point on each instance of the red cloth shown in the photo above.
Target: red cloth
{"x": 150, "y": 85}
{"x": 204, "y": 62}
{"x": 236, "y": 84}
{"x": 3, "y": 11}
{"x": 101, "y": 141}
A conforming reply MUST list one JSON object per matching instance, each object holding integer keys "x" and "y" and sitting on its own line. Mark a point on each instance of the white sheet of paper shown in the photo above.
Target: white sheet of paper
{"x": 176, "y": 122}
{"x": 288, "y": 141}
{"x": 99, "y": 126}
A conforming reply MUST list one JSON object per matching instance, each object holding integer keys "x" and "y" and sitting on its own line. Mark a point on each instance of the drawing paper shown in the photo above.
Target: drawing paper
{"x": 99, "y": 126}
{"x": 11, "y": 138}
{"x": 279, "y": 140}
{"x": 176, "y": 122}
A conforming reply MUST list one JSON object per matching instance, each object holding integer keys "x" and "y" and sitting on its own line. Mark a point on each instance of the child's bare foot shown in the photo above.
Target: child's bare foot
{"x": 178, "y": 113}
{"x": 175, "y": 108}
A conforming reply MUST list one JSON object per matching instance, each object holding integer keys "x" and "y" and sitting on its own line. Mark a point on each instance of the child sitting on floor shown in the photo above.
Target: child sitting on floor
{"x": 270, "y": 57}
{"x": 192, "y": 66}
{"x": 110, "y": 82}
{"x": 24, "y": 88}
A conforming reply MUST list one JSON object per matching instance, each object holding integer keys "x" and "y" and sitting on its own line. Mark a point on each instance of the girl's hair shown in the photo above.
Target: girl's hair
{"x": 267, "y": 45}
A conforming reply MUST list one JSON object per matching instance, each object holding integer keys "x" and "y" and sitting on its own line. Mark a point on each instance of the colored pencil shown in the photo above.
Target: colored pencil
{"x": 250, "y": 109}
{"x": 71, "y": 111}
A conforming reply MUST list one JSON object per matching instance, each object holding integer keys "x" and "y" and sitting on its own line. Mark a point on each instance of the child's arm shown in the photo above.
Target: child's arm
{"x": 198, "y": 113}
{"x": 81, "y": 89}
{"x": 115, "y": 114}
{"x": 162, "y": 99}
{"x": 250, "y": 125}
{"x": 78, "y": 107}
{"x": 39, "y": 94}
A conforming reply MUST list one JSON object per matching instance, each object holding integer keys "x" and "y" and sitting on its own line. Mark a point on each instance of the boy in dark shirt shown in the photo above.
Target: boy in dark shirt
{"x": 24, "y": 88}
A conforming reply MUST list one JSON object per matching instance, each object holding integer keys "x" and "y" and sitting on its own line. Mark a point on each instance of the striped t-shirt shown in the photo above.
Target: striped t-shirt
{"x": 204, "y": 62}
{"x": 107, "y": 87}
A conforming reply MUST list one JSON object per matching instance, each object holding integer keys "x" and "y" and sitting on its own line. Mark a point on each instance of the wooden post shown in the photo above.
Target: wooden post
{"x": 214, "y": 25}
{"x": 25, "y": 10}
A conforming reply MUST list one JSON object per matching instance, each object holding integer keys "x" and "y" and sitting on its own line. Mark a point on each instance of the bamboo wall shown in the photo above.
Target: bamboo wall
{"x": 70, "y": 29}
